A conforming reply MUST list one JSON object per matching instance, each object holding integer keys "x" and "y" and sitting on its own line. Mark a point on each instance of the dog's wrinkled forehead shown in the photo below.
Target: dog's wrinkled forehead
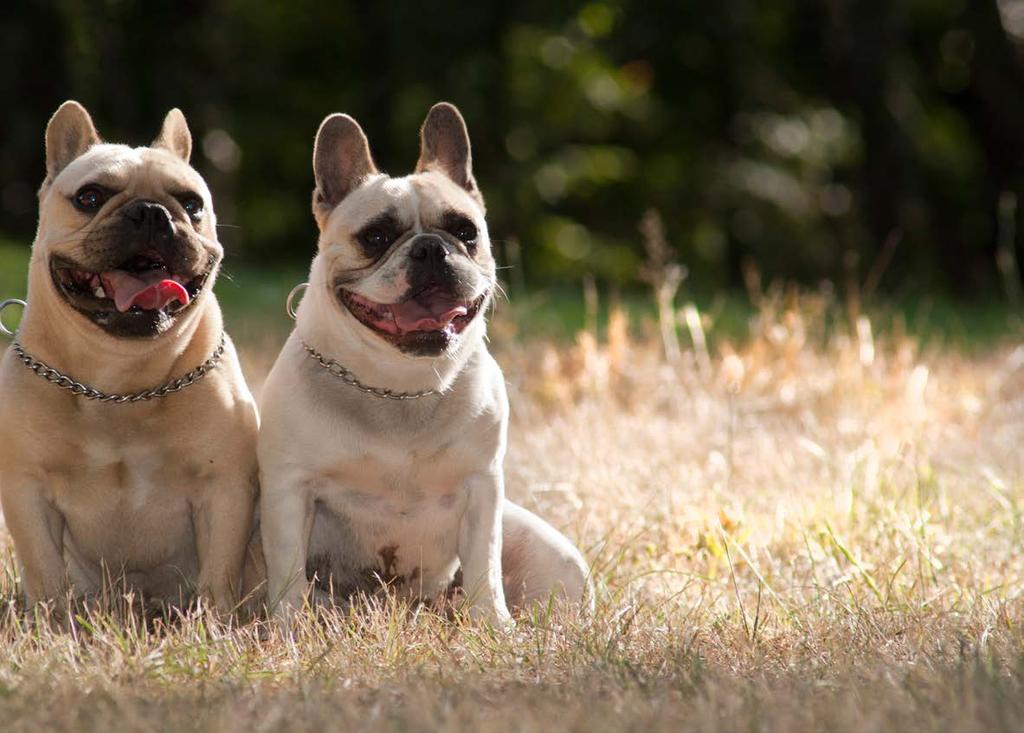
{"x": 141, "y": 171}
{"x": 418, "y": 202}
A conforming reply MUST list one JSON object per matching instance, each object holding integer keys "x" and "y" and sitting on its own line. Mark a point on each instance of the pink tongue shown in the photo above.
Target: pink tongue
{"x": 150, "y": 291}
{"x": 431, "y": 316}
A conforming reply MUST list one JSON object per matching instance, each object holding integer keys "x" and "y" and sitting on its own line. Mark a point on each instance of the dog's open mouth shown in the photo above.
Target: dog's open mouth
{"x": 141, "y": 283}
{"x": 423, "y": 323}
{"x": 142, "y": 289}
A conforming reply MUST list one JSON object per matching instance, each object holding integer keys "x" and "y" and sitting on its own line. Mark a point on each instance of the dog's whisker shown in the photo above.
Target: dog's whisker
{"x": 501, "y": 291}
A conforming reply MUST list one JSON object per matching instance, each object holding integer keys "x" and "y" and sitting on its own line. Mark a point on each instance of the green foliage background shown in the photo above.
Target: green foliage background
{"x": 812, "y": 138}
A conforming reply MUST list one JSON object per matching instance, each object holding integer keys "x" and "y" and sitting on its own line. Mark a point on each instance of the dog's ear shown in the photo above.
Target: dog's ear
{"x": 444, "y": 147}
{"x": 69, "y": 133}
{"x": 341, "y": 162}
{"x": 175, "y": 136}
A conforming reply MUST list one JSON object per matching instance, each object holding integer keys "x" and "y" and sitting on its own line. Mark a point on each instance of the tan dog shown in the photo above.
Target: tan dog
{"x": 384, "y": 418}
{"x": 159, "y": 489}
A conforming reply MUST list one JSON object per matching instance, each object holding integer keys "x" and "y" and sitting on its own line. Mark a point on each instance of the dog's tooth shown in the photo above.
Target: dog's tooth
{"x": 98, "y": 291}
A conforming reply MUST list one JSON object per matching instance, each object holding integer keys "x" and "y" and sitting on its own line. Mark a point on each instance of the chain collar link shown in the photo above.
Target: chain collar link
{"x": 349, "y": 378}
{"x": 53, "y": 376}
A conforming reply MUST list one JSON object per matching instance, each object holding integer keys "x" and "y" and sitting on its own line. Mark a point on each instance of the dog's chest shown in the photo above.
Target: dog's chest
{"x": 125, "y": 501}
{"x": 394, "y": 487}
{"x": 395, "y": 516}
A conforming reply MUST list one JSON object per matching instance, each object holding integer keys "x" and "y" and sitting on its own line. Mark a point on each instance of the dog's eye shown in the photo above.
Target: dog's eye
{"x": 89, "y": 199}
{"x": 375, "y": 238}
{"x": 464, "y": 230}
{"x": 193, "y": 206}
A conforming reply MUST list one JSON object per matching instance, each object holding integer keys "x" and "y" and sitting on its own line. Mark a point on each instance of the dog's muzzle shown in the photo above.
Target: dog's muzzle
{"x": 144, "y": 273}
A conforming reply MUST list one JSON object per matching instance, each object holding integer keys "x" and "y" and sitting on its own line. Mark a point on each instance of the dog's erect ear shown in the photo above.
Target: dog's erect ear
{"x": 69, "y": 133}
{"x": 174, "y": 135}
{"x": 444, "y": 147}
{"x": 341, "y": 161}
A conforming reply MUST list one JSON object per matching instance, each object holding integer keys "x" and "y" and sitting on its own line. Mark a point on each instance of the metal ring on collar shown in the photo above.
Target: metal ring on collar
{"x": 289, "y": 304}
{"x": 5, "y": 304}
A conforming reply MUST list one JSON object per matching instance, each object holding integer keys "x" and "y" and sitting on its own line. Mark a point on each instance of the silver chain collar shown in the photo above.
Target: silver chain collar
{"x": 53, "y": 376}
{"x": 342, "y": 372}
{"x": 349, "y": 378}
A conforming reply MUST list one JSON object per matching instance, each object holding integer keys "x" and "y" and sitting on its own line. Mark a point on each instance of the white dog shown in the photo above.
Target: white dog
{"x": 385, "y": 417}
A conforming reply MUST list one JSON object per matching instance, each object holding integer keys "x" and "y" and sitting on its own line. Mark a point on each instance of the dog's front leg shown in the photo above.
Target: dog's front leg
{"x": 223, "y": 524}
{"x": 480, "y": 548}
{"x": 37, "y": 529}
{"x": 286, "y": 517}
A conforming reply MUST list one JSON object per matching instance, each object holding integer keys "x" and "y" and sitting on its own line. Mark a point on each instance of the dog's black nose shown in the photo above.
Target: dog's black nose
{"x": 150, "y": 217}
{"x": 429, "y": 248}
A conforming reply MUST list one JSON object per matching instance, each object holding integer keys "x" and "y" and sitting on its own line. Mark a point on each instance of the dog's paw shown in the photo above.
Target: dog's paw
{"x": 496, "y": 617}
{"x": 286, "y": 618}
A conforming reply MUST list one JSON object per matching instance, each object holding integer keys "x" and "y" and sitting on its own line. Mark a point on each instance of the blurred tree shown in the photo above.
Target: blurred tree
{"x": 799, "y": 134}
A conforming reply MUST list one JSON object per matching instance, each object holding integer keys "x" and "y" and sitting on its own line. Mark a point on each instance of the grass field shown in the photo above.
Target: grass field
{"x": 806, "y": 526}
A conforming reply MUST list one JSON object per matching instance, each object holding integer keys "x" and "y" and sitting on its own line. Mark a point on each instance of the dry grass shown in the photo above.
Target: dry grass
{"x": 810, "y": 530}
